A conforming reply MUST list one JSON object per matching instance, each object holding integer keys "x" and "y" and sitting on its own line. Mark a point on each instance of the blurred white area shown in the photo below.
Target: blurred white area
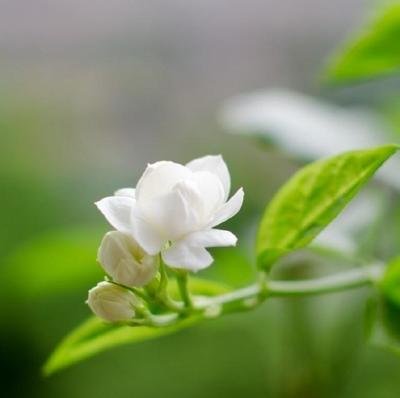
{"x": 362, "y": 212}
{"x": 304, "y": 126}
{"x": 308, "y": 128}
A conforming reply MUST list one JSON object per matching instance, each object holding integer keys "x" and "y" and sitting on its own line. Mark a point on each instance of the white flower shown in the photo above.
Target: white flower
{"x": 174, "y": 210}
{"x": 125, "y": 261}
{"x": 111, "y": 302}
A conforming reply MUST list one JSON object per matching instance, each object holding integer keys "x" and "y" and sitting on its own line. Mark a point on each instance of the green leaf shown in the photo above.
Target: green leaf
{"x": 383, "y": 312}
{"x": 312, "y": 198}
{"x": 374, "y": 51}
{"x": 390, "y": 284}
{"x": 94, "y": 336}
{"x": 383, "y": 324}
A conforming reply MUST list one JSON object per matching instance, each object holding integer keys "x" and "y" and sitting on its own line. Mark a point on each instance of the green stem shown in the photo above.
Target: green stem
{"x": 163, "y": 278}
{"x": 171, "y": 304}
{"x": 346, "y": 280}
{"x": 182, "y": 280}
{"x": 250, "y": 296}
{"x": 161, "y": 296}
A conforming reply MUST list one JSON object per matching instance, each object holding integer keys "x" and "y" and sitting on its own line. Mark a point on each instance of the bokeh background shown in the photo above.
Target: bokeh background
{"x": 90, "y": 92}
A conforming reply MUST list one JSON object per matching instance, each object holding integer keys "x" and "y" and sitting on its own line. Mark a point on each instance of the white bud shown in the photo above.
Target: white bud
{"x": 111, "y": 302}
{"x": 125, "y": 261}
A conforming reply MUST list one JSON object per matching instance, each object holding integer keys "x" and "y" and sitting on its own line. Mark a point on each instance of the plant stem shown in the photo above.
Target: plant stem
{"x": 163, "y": 277}
{"x": 350, "y": 279}
{"x": 172, "y": 305}
{"x": 182, "y": 280}
{"x": 253, "y": 295}
{"x": 162, "y": 296}
{"x": 343, "y": 281}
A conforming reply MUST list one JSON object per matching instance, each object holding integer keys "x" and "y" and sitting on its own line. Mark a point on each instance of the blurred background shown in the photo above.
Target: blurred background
{"x": 90, "y": 92}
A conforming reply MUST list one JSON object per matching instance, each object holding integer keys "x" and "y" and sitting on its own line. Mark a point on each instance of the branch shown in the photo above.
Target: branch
{"x": 255, "y": 294}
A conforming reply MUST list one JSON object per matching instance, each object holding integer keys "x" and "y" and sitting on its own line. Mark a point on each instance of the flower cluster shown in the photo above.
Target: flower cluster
{"x": 170, "y": 218}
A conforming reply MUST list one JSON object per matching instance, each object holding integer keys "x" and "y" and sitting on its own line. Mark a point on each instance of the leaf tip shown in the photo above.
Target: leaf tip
{"x": 48, "y": 368}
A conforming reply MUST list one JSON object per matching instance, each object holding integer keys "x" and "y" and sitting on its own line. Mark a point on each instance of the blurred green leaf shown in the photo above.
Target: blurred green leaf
{"x": 383, "y": 324}
{"x": 390, "y": 283}
{"x": 383, "y": 312}
{"x": 53, "y": 263}
{"x": 373, "y": 52}
{"x": 94, "y": 336}
{"x": 312, "y": 198}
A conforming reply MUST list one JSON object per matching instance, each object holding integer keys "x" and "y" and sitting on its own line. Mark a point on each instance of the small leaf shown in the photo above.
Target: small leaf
{"x": 374, "y": 51}
{"x": 94, "y": 336}
{"x": 312, "y": 198}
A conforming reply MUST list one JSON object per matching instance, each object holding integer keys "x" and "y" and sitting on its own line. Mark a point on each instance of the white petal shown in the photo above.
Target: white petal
{"x": 181, "y": 255}
{"x": 158, "y": 179}
{"x": 178, "y": 212}
{"x": 229, "y": 209}
{"x": 211, "y": 238}
{"x": 145, "y": 234}
{"x": 129, "y": 192}
{"x": 214, "y": 164}
{"x": 211, "y": 191}
{"x": 117, "y": 211}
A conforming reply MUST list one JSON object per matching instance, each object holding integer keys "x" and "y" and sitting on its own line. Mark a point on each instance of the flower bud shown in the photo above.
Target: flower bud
{"x": 111, "y": 302}
{"x": 125, "y": 261}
